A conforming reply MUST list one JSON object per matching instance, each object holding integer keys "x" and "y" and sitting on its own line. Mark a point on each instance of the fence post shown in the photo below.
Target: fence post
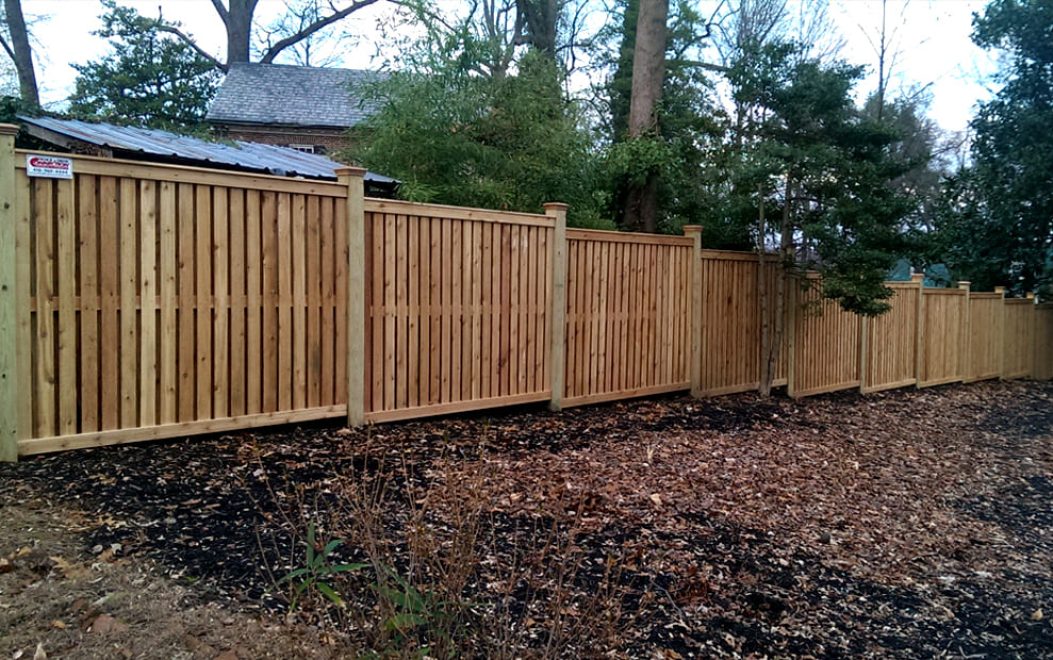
{"x": 354, "y": 179}
{"x": 9, "y": 408}
{"x": 1033, "y": 332}
{"x": 864, "y": 353}
{"x": 1001, "y": 333}
{"x": 558, "y": 314}
{"x": 695, "y": 354}
{"x": 919, "y": 329}
{"x": 965, "y": 362}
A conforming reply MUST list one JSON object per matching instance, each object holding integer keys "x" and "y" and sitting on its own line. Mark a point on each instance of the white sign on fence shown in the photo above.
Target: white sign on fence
{"x": 51, "y": 167}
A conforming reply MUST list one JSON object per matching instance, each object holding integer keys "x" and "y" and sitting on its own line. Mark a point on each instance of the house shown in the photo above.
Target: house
{"x": 305, "y": 108}
{"x": 157, "y": 146}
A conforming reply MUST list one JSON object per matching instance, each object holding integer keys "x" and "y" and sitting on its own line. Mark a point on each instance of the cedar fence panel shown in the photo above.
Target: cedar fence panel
{"x": 457, "y": 307}
{"x": 159, "y": 305}
{"x": 731, "y": 323}
{"x": 1019, "y": 342}
{"x": 824, "y": 344}
{"x": 890, "y": 358}
{"x": 145, "y": 301}
{"x": 985, "y": 336}
{"x": 943, "y": 333}
{"x": 628, "y": 323}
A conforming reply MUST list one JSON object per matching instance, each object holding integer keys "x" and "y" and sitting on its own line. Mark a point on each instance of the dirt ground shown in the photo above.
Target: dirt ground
{"x": 904, "y": 524}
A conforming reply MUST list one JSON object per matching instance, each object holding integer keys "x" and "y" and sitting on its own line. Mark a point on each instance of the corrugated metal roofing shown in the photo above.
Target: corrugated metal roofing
{"x": 266, "y": 158}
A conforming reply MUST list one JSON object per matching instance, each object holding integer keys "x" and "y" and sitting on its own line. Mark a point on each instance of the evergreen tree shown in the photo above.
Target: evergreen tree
{"x": 150, "y": 78}
{"x": 823, "y": 171}
{"x": 997, "y": 227}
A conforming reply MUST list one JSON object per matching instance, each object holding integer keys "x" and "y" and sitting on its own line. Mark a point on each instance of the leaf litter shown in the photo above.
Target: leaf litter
{"x": 912, "y": 522}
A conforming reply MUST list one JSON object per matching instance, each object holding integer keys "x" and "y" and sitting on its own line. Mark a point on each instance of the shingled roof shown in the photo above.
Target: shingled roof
{"x": 282, "y": 95}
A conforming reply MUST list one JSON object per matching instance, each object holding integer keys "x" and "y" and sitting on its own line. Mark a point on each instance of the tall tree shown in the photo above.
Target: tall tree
{"x": 641, "y": 204}
{"x": 238, "y": 17}
{"x": 687, "y": 132}
{"x": 150, "y": 78}
{"x": 1000, "y": 230}
{"x": 15, "y": 42}
{"x": 823, "y": 170}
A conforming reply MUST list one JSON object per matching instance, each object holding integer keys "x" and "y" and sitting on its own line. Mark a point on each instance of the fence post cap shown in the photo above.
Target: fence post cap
{"x": 692, "y": 229}
{"x": 1030, "y": 295}
{"x": 350, "y": 170}
{"x": 964, "y": 284}
{"x": 917, "y": 277}
{"x": 555, "y": 206}
{"x": 9, "y": 129}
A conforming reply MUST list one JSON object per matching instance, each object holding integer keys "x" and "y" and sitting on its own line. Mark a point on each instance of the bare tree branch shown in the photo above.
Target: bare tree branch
{"x": 281, "y": 45}
{"x": 171, "y": 29}
{"x": 7, "y": 47}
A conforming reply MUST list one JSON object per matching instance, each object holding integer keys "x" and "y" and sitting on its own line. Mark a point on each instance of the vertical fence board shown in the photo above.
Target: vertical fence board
{"x": 87, "y": 213}
{"x": 153, "y": 306}
{"x": 148, "y": 290}
{"x": 255, "y": 267}
{"x": 205, "y": 301}
{"x": 236, "y": 254}
{"x": 167, "y": 274}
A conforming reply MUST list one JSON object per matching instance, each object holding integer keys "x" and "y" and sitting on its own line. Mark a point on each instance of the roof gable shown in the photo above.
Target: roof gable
{"x": 292, "y": 96}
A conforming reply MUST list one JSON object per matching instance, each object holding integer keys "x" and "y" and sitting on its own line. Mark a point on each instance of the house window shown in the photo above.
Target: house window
{"x": 306, "y": 148}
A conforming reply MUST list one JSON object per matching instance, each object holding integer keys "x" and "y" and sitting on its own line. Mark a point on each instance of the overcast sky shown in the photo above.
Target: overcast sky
{"x": 931, "y": 36}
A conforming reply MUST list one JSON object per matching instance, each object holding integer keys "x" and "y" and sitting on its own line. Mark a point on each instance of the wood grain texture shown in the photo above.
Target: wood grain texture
{"x": 155, "y": 301}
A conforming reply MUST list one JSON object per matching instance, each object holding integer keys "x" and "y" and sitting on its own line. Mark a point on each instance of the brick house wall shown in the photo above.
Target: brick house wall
{"x": 324, "y": 140}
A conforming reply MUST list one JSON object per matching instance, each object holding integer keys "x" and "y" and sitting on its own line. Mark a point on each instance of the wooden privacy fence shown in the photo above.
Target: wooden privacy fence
{"x": 456, "y": 309}
{"x": 628, "y": 323}
{"x": 142, "y": 301}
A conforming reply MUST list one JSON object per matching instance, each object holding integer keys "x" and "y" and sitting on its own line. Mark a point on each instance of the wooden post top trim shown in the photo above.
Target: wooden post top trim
{"x": 350, "y": 170}
{"x": 917, "y": 277}
{"x": 691, "y": 230}
{"x": 9, "y": 129}
{"x": 555, "y": 207}
{"x": 422, "y": 210}
{"x": 628, "y": 237}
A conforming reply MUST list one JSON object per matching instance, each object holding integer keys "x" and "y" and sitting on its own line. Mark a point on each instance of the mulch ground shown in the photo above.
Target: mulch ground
{"x": 909, "y": 523}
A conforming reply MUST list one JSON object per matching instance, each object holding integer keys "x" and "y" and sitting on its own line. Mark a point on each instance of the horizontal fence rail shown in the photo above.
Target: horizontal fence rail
{"x": 174, "y": 306}
{"x": 142, "y": 301}
{"x": 889, "y": 342}
{"x": 824, "y": 343}
{"x": 628, "y": 318}
{"x": 730, "y": 354}
{"x": 457, "y": 309}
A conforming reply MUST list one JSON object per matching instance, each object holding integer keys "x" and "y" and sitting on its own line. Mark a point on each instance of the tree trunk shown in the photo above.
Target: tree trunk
{"x": 239, "y": 28}
{"x": 785, "y": 259}
{"x": 542, "y": 20}
{"x": 766, "y": 375}
{"x": 23, "y": 54}
{"x": 641, "y": 208}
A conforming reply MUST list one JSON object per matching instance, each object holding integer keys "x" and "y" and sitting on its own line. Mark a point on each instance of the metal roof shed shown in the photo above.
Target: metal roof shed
{"x": 164, "y": 146}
